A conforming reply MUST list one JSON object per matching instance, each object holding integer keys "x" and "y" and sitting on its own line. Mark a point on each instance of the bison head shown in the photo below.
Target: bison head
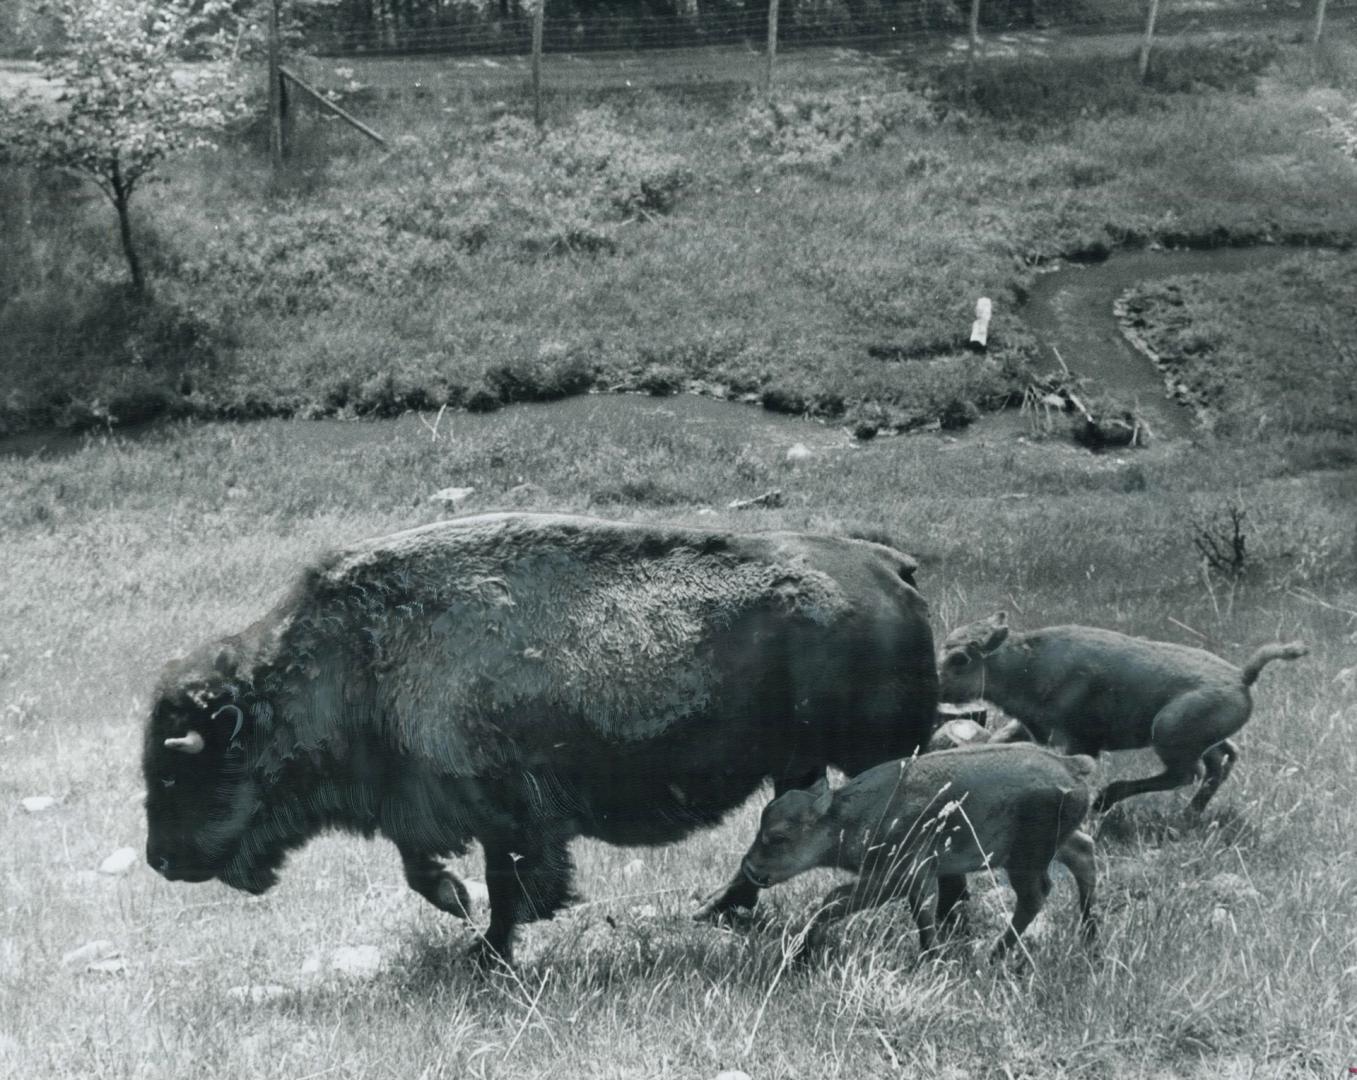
{"x": 961, "y": 665}
{"x": 794, "y": 836}
{"x": 200, "y": 796}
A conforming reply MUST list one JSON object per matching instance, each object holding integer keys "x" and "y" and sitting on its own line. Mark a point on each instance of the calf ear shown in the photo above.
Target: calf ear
{"x": 823, "y": 796}
{"x": 998, "y": 633}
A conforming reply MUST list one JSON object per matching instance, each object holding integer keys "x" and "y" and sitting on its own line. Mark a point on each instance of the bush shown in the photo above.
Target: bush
{"x": 820, "y": 128}
{"x": 1059, "y": 90}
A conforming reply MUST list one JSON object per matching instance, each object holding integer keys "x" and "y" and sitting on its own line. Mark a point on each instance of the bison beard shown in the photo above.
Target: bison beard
{"x": 523, "y": 679}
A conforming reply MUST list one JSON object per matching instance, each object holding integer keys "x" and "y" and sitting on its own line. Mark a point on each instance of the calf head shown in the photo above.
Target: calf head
{"x": 794, "y": 836}
{"x": 961, "y": 663}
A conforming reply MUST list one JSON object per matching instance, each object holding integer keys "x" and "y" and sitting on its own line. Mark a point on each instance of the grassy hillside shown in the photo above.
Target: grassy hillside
{"x": 1227, "y": 944}
{"x": 1286, "y": 359}
{"x": 823, "y": 252}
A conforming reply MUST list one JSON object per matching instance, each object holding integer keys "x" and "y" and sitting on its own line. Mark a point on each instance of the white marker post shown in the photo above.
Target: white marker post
{"x": 980, "y": 328}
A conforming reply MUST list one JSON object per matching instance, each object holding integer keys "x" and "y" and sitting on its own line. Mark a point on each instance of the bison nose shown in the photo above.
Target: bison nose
{"x": 751, "y": 876}
{"x": 160, "y": 862}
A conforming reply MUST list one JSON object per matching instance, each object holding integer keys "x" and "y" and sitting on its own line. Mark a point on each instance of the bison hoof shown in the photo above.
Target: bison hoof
{"x": 488, "y": 958}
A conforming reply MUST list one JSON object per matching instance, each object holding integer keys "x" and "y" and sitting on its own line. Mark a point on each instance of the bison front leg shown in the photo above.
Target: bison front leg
{"x": 436, "y": 883}
{"x": 526, "y": 880}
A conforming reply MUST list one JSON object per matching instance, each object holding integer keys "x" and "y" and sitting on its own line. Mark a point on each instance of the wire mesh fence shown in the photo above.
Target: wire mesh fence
{"x": 478, "y": 47}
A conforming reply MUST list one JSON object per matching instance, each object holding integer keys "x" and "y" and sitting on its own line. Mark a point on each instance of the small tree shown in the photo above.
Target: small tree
{"x": 124, "y": 101}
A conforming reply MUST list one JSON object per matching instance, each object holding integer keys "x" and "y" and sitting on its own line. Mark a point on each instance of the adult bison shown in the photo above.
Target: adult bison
{"x": 523, "y": 679}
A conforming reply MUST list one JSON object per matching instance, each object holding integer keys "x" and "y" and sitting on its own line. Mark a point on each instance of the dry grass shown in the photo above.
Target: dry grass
{"x": 120, "y": 555}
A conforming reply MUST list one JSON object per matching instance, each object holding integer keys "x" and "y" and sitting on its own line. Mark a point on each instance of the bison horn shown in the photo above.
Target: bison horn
{"x": 240, "y": 719}
{"x": 192, "y": 743}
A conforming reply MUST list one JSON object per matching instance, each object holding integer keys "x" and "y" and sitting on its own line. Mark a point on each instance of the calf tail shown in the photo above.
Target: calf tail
{"x": 1291, "y": 651}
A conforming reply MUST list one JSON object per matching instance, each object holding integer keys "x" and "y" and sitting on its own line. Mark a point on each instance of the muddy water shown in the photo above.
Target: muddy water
{"x": 1070, "y": 310}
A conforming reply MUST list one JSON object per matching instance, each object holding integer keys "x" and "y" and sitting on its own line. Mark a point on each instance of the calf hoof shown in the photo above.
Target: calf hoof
{"x": 722, "y": 907}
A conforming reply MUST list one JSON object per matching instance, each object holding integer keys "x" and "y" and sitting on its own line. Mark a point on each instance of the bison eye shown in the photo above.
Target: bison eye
{"x": 958, "y": 659}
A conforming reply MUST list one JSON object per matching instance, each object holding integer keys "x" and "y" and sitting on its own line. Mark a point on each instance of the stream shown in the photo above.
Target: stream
{"x": 1070, "y": 311}
{"x": 1069, "y": 308}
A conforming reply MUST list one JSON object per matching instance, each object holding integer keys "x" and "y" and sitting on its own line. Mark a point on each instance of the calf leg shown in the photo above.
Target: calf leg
{"x": 1076, "y": 853}
{"x": 1183, "y": 732}
{"x": 433, "y": 881}
{"x": 952, "y": 897}
{"x": 1218, "y": 762}
{"x": 1042, "y": 820}
{"x": 1032, "y": 887}
{"x": 739, "y": 891}
{"x": 854, "y": 896}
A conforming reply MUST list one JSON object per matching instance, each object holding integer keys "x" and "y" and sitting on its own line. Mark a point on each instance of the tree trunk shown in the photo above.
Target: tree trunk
{"x": 121, "y": 194}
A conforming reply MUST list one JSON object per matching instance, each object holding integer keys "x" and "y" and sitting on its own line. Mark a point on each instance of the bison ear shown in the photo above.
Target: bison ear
{"x": 823, "y": 797}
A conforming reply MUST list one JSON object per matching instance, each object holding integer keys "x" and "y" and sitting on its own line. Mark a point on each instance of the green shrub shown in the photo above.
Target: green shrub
{"x": 1046, "y": 90}
{"x": 819, "y": 128}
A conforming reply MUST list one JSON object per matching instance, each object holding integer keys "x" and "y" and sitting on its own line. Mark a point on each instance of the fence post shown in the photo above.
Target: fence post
{"x": 1319, "y": 21}
{"x": 538, "y": 17}
{"x": 771, "y": 53}
{"x": 972, "y": 47}
{"x": 1148, "y": 43}
{"x": 275, "y": 92}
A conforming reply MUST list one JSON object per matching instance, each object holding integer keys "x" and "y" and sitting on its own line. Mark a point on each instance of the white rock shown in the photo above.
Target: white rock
{"x": 311, "y": 965}
{"x": 119, "y": 862}
{"x": 357, "y": 961}
{"x": 1220, "y": 917}
{"x": 476, "y": 892}
{"x": 647, "y": 911}
{"x": 634, "y": 868}
{"x": 731, "y": 1074}
{"x": 453, "y": 496}
{"x": 799, "y": 452}
{"x": 257, "y": 994}
{"x": 91, "y": 950}
{"x": 36, "y": 804}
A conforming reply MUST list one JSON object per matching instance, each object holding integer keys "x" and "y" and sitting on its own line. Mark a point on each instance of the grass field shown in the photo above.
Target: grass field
{"x": 783, "y": 247}
{"x": 1228, "y": 945}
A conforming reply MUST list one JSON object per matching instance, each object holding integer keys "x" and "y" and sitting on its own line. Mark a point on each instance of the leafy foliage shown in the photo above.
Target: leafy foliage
{"x": 811, "y": 128}
{"x": 122, "y": 106}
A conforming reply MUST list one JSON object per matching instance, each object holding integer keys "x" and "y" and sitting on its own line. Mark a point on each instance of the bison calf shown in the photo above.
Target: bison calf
{"x": 914, "y": 828}
{"x": 1090, "y": 690}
